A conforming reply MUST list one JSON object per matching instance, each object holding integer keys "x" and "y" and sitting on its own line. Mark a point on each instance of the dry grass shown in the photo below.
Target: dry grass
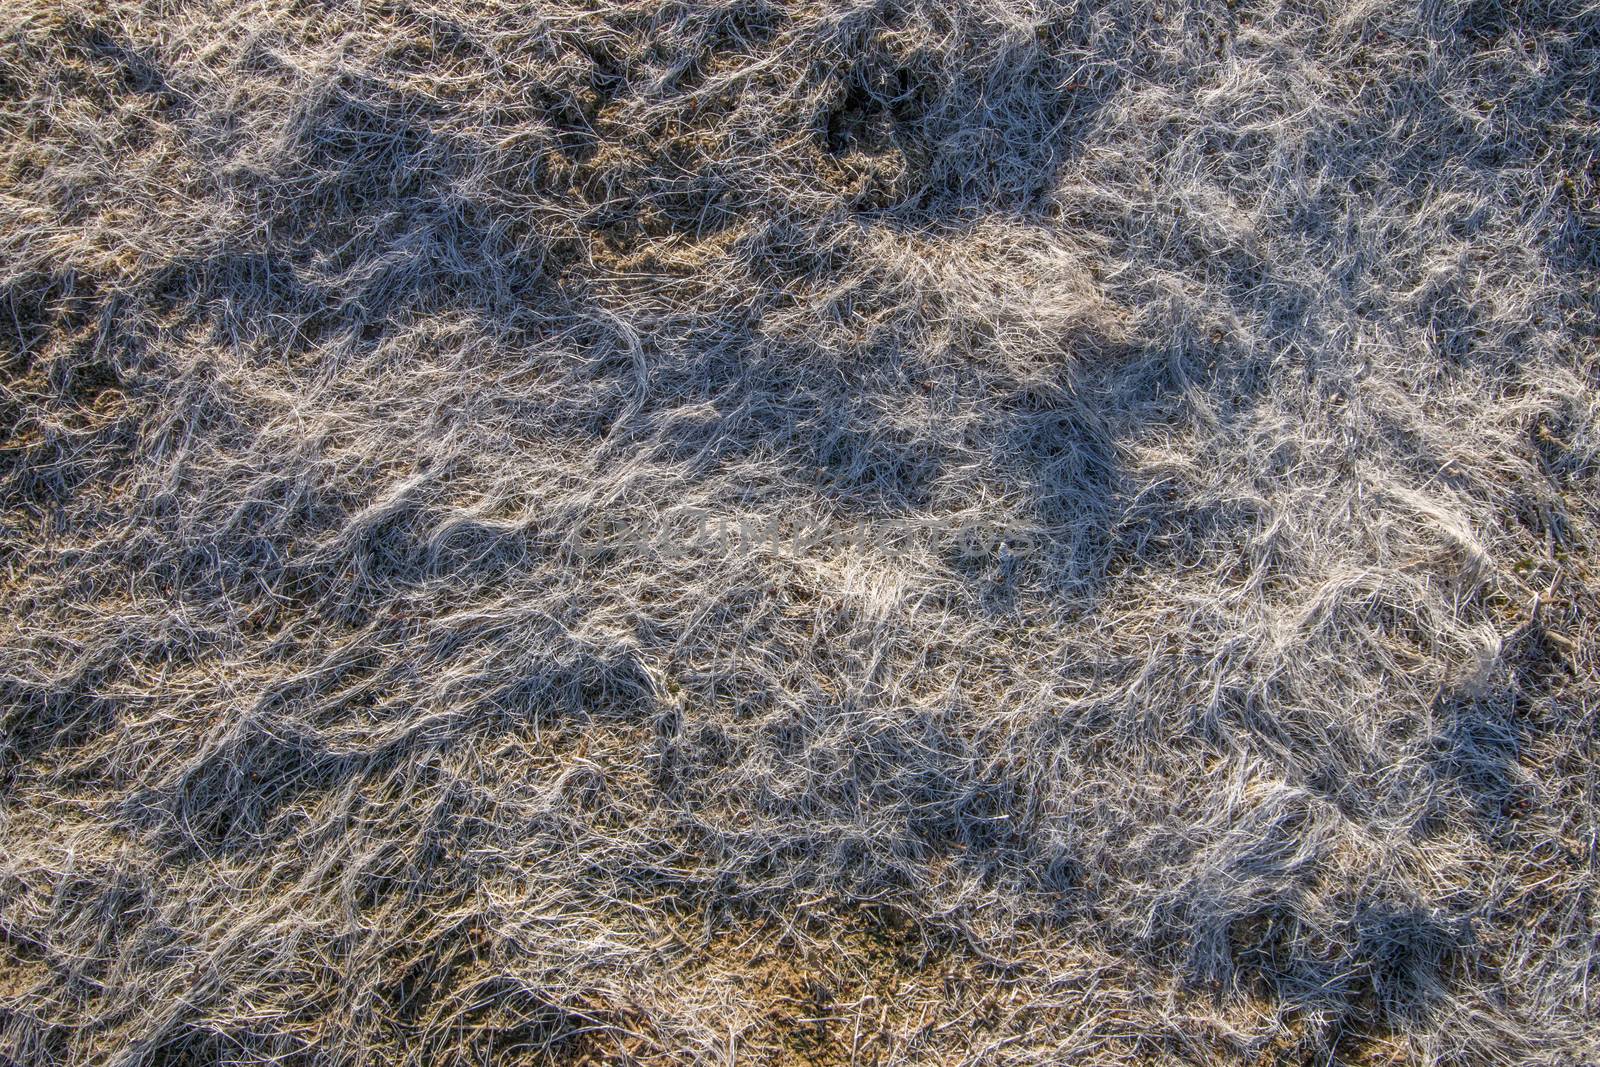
{"x": 341, "y": 345}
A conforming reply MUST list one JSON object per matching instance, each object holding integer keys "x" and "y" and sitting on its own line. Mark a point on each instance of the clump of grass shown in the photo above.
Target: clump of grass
{"x": 337, "y": 343}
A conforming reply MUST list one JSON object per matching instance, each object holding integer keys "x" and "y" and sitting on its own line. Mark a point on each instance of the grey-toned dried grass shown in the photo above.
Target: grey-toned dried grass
{"x": 340, "y": 725}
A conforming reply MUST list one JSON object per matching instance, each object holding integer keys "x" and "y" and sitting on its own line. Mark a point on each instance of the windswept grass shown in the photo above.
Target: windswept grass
{"x": 337, "y": 340}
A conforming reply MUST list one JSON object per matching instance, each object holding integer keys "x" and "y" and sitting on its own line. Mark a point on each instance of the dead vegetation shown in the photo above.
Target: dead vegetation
{"x": 337, "y": 342}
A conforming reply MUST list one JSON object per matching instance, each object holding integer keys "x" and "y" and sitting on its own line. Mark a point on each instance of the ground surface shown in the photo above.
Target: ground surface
{"x": 787, "y": 533}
